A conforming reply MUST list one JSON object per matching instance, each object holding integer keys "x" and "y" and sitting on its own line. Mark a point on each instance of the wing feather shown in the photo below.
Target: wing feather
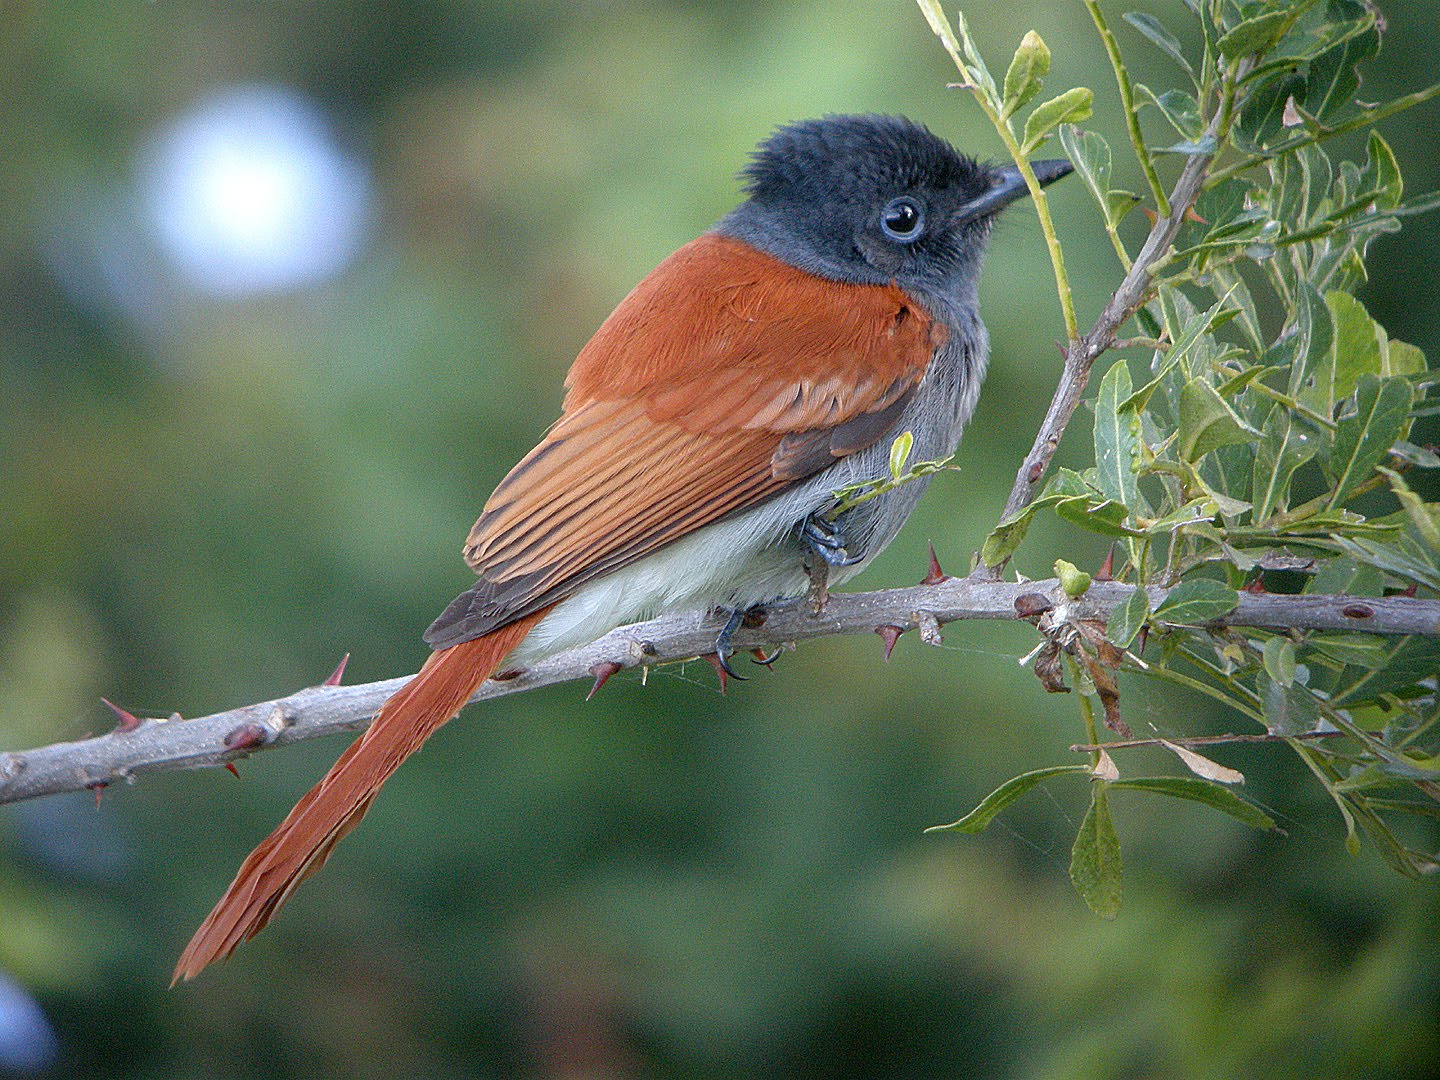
{"x": 725, "y": 376}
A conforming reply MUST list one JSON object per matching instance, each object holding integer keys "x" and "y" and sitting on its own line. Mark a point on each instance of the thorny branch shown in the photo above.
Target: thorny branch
{"x": 154, "y": 745}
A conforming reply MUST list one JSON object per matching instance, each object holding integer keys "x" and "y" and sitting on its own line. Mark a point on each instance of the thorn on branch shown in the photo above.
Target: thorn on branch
{"x": 934, "y": 576}
{"x": 339, "y": 672}
{"x": 602, "y": 672}
{"x": 97, "y": 786}
{"x": 125, "y": 721}
{"x": 890, "y": 635}
{"x": 722, "y": 670}
{"x": 1107, "y": 568}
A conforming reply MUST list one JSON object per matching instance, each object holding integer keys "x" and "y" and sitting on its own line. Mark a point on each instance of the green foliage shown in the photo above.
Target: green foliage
{"x": 1269, "y": 443}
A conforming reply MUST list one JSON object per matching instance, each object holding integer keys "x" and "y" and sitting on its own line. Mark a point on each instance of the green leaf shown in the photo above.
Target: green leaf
{"x": 1361, "y": 650}
{"x": 1006, "y": 537}
{"x": 1425, "y": 516}
{"x": 1201, "y": 791}
{"x": 1095, "y": 858}
{"x": 1284, "y": 446}
{"x": 990, "y": 806}
{"x": 1357, "y": 342}
{"x": 1312, "y": 378}
{"x": 1289, "y": 710}
{"x": 1401, "y": 358}
{"x": 1362, "y": 439}
{"x": 1262, "y": 117}
{"x": 1208, "y": 422}
{"x": 1279, "y": 659}
{"x": 1382, "y": 171}
{"x": 1117, "y": 437}
{"x": 1196, "y": 602}
{"x": 1255, "y": 35}
{"x": 1071, "y": 107}
{"x": 1410, "y": 660}
{"x": 1180, "y": 109}
{"x": 1332, "y": 79}
{"x": 1090, "y": 154}
{"x": 1105, "y": 518}
{"x": 900, "y": 453}
{"x": 1155, "y": 31}
{"x": 1028, "y": 68}
{"x": 1127, "y": 620}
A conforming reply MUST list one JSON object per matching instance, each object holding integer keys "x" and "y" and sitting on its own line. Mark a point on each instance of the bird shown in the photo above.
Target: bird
{"x": 705, "y": 431}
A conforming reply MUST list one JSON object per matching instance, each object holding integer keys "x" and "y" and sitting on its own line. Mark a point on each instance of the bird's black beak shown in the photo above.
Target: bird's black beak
{"x": 1009, "y": 186}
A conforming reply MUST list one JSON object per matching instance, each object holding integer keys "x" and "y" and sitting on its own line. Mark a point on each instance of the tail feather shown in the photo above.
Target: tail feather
{"x": 303, "y": 841}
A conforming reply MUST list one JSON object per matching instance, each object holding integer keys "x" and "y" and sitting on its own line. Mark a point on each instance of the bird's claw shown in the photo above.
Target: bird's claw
{"x": 723, "y": 648}
{"x": 827, "y": 539}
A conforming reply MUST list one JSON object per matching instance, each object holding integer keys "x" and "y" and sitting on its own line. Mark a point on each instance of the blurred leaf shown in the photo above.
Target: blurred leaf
{"x": 1090, "y": 154}
{"x": 1103, "y": 518}
{"x": 1402, "y": 358}
{"x": 976, "y": 820}
{"x": 1255, "y": 35}
{"x": 1196, "y": 602}
{"x": 1312, "y": 378}
{"x": 1282, "y": 449}
{"x": 1201, "y": 791}
{"x": 1117, "y": 437}
{"x": 1155, "y": 31}
{"x": 1332, "y": 80}
{"x": 1289, "y": 710}
{"x": 1382, "y": 172}
{"x": 1026, "y": 74}
{"x": 1382, "y": 411}
{"x": 1180, "y": 109}
{"x": 1070, "y": 107}
{"x": 1426, "y": 516}
{"x": 1262, "y": 117}
{"x": 1127, "y": 619}
{"x": 1362, "y": 650}
{"x": 1410, "y": 660}
{"x": 1279, "y": 659}
{"x": 1095, "y": 858}
{"x": 1207, "y": 421}
{"x": 1357, "y": 342}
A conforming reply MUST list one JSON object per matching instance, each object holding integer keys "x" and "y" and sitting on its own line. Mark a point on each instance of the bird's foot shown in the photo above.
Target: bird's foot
{"x": 826, "y": 539}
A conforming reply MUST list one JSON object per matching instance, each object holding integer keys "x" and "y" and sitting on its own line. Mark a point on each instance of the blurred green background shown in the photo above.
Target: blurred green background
{"x": 245, "y": 425}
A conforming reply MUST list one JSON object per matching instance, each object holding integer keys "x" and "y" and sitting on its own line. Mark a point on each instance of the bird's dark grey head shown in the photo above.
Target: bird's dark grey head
{"x": 875, "y": 199}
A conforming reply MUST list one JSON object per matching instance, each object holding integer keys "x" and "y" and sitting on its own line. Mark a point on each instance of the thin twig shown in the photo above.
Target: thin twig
{"x": 1202, "y": 740}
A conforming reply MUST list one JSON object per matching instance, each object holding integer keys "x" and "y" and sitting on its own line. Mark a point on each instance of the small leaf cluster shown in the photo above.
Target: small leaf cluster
{"x": 1269, "y": 443}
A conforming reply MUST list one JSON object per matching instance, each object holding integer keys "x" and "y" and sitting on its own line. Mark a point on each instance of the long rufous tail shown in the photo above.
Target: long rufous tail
{"x": 303, "y": 841}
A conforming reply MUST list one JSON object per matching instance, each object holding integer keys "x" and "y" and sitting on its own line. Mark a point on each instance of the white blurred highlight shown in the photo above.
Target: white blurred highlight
{"x": 249, "y": 193}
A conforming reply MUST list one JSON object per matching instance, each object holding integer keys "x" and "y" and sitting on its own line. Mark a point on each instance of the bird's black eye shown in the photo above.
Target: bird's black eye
{"x": 902, "y": 219}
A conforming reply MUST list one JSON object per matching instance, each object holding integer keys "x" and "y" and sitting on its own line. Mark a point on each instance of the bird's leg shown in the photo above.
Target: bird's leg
{"x": 818, "y": 571}
{"x": 824, "y": 540}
